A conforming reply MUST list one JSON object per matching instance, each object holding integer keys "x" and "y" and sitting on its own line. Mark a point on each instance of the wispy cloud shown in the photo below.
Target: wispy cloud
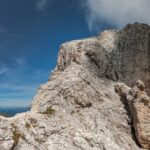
{"x": 6, "y": 32}
{"x": 116, "y": 12}
{"x": 16, "y": 95}
{"x": 3, "y": 70}
{"x": 15, "y": 63}
{"x": 42, "y": 4}
{"x": 19, "y": 102}
{"x": 19, "y": 62}
{"x": 17, "y": 88}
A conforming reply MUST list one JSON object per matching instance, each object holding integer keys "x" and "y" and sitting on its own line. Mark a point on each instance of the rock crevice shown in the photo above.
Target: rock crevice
{"x": 139, "y": 105}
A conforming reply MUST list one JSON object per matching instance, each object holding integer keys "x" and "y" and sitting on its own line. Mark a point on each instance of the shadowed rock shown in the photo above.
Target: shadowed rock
{"x": 139, "y": 105}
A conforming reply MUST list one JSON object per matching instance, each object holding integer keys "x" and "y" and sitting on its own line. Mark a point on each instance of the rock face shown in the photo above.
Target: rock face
{"x": 131, "y": 59}
{"x": 138, "y": 103}
{"x": 78, "y": 108}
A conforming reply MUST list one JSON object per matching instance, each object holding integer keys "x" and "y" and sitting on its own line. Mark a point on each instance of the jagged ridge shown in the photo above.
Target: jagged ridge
{"x": 78, "y": 107}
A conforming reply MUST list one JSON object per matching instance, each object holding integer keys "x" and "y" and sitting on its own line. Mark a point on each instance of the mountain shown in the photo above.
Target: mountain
{"x": 92, "y": 100}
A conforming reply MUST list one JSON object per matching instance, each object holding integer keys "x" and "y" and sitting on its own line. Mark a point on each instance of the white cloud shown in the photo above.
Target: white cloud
{"x": 42, "y": 5}
{"x": 116, "y": 12}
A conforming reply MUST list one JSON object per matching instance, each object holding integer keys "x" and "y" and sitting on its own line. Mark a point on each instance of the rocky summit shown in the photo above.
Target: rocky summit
{"x": 95, "y": 99}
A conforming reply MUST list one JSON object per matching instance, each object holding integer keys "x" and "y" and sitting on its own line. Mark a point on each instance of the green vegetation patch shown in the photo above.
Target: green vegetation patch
{"x": 49, "y": 111}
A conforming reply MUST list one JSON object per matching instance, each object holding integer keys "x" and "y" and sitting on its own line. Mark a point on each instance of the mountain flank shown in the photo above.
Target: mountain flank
{"x": 95, "y": 99}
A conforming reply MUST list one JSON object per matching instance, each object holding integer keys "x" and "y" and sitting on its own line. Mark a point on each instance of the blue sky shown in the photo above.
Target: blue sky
{"x": 31, "y": 32}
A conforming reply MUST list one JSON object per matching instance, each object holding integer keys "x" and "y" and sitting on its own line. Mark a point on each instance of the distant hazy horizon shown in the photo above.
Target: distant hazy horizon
{"x": 15, "y": 103}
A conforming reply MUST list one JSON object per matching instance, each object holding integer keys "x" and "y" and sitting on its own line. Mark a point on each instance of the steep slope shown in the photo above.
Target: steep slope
{"x": 78, "y": 108}
{"x": 131, "y": 59}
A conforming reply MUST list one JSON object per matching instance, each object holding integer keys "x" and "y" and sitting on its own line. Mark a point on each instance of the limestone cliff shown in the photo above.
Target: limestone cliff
{"x": 78, "y": 108}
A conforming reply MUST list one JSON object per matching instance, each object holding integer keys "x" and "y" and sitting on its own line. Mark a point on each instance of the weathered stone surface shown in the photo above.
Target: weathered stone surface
{"x": 139, "y": 105}
{"x": 78, "y": 109}
{"x": 130, "y": 60}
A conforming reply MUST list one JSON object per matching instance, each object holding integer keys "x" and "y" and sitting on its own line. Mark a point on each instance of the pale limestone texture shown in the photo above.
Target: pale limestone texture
{"x": 78, "y": 108}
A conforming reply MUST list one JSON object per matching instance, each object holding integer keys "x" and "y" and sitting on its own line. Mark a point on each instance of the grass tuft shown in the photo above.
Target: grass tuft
{"x": 49, "y": 111}
{"x": 16, "y": 137}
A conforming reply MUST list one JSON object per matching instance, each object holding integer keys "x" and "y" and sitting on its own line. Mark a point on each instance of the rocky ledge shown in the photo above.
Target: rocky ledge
{"x": 137, "y": 104}
{"x": 83, "y": 106}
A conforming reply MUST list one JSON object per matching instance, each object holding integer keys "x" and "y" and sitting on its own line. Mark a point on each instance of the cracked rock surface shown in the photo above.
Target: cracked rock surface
{"x": 139, "y": 109}
{"x": 78, "y": 108}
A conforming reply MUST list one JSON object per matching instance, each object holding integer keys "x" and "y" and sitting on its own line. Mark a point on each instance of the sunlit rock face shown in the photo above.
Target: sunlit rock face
{"x": 78, "y": 108}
